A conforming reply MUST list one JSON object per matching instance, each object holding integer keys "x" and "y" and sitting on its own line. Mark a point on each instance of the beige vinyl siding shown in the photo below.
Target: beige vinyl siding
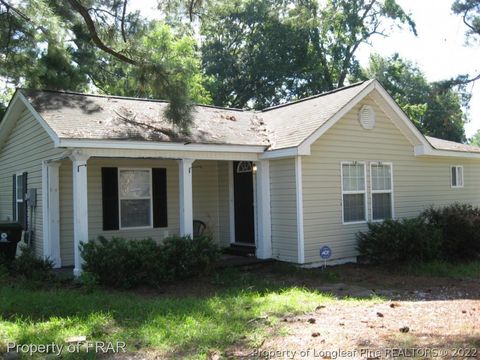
{"x": 205, "y": 195}
{"x": 417, "y": 181}
{"x": 26, "y": 147}
{"x": 205, "y": 200}
{"x": 283, "y": 210}
{"x": 224, "y": 203}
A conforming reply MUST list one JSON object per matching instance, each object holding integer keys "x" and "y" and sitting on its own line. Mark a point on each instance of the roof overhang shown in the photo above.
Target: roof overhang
{"x": 150, "y": 145}
{"x": 423, "y": 151}
{"x": 284, "y": 153}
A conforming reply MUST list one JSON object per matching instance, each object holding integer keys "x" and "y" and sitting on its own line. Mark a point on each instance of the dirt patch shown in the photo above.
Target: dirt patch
{"x": 421, "y": 317}
{"x": 421, "y": 329}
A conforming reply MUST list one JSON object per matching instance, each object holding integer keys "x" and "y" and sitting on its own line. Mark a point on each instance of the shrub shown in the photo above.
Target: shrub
{"x": 184, "y": 257}
{"x": 128, "y": 263}
{"x": 31, "y": 267}
{"x": 123, "y": 263}
{"x": 399, "y": 241}
{"x": 460, "y": 228}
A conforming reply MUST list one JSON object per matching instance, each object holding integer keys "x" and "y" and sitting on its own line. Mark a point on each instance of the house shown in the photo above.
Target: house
{"x": 286, "y": 180}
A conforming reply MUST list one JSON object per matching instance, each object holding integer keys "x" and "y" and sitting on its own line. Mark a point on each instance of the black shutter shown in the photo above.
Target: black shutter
{"x": 159, "y": 192}
{"x": 24, "y": 213}
{"x": 14, "y": 199}
{"x": 110, "y": 198}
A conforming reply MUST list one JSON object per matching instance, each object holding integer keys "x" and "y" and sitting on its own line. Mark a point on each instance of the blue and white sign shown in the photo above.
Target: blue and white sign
{"x": 4, "y": 237}
{"x": 325, "y": 252}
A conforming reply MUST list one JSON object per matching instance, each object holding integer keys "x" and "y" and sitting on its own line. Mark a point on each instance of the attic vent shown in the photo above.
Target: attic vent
{"x": 367, "y": 117}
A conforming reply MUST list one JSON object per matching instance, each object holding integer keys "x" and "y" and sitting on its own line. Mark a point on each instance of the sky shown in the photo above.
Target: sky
{"x": 439, "y": 49}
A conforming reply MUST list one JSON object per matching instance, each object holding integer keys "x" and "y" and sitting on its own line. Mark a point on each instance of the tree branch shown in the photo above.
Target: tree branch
{"x": 123, "y": 20}
{"x": 470, "y": 26}
{"x": 94, "y": 35}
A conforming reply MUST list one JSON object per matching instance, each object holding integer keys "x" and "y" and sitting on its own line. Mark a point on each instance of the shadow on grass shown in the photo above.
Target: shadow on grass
{"x": 237, "y": 310}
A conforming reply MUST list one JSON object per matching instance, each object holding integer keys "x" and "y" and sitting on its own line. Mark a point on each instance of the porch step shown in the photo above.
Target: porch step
{"x": 239, "y": 250}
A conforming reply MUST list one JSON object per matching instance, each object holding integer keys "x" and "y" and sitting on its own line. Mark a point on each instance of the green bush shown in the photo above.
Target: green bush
{"x": 450, "y": 233}
{"x": 399, "y": 241}
{"x": 128, "y": 263}
{"x": 123, "y": 263}
{"x": 31, "y": 267}
{"x": 460, "y": 228}
{"x": 184, "y": 257}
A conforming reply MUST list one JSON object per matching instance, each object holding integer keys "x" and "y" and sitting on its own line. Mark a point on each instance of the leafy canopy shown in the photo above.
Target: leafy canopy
{"x": 264, "y": 52}
{"x": 74, "y": 45}
{"x": 434, "y": 109}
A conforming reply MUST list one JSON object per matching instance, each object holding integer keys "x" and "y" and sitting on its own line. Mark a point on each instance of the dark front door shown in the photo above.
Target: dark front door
{"x": 243, "y": 206}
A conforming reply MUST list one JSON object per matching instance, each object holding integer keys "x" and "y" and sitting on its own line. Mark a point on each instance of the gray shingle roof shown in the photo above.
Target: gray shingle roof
{"x": 441, "y": 144}
{"x": 93, "y": 117}
{"x": 96, "y": 117}
{"x": 292, "y": 123}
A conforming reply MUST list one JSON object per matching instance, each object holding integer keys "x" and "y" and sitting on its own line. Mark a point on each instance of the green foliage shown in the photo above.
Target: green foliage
{"x": 450, "y": 233}
{"x": 125, "y": 263}
{"x": 47, "y": 44}
{"x": 475, "y": 139}
{"x": 121, "y": 263}
{"x": 89, "y": 281}
{"x": 261, "y": 53}
{"x": 399, "y": 241}
{"x": 185, "y": 257}
{"x": 461, "y": 270}
{"x": 29, "y": 266}
{"x": 470, "y": 11}
{"x": 434, "y": 108}
{"x": 460, "y": 226}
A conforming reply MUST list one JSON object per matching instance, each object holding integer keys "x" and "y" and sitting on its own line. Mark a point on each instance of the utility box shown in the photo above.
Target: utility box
{"x": 32, "y": 197}
{"x": 10, "y": 236}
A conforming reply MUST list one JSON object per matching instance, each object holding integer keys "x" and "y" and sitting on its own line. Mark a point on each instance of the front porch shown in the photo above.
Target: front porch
{"x": 82, "y": 203}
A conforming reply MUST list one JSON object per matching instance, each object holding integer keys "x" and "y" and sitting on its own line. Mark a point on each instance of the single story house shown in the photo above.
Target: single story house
{"x": 285, "y": 181}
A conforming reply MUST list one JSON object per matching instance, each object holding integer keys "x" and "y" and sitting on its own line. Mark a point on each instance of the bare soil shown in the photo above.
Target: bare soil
{"x": 420, "y": 317}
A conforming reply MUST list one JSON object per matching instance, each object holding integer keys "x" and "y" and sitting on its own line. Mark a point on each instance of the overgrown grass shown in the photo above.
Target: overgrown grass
{"x": 444, "y": 269}
{"x": 240, "y": 310}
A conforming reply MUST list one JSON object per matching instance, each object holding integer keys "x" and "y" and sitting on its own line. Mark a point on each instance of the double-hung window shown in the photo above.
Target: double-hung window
{"x": 381, "y": 191}
{"x": 135, "y": 198}
{"x": 354, "y": 192}
{"x": 457, "y": 176}
{"x": 19, "y": 197}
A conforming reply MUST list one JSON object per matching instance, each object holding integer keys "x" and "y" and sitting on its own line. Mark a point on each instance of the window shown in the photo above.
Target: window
{"x": 19, "y": 196}
{"x": 353, "y": 192}
{"x": 457, "y": 176}
{"x": 381, "y": 184}
{"x": 135, "y": 198}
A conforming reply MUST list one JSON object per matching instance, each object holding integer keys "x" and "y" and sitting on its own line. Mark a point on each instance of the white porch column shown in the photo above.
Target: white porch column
{"x": 264, "y": 229}
{"x": 186, "y": 194}
{"x": 80, "y": 206}
{"x": 51, "y": 212}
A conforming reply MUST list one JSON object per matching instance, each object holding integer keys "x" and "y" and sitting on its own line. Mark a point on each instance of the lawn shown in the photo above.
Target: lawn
{"x": 272, "y": 307}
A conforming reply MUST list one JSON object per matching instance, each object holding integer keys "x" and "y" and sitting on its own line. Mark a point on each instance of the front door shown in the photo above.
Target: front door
{"x": 243, "y": 203}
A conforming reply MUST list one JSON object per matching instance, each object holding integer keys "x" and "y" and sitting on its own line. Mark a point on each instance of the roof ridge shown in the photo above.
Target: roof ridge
{"x": 317, "y": 95}
{"x": 68, "y": 92}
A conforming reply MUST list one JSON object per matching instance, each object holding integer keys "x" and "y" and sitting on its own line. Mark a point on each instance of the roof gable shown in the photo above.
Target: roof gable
{"x": 15, "y": 108}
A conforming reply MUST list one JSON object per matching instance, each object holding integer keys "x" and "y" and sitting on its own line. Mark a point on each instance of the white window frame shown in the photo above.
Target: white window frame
{"x": 381, "y": 191}
{"x": 120, "y": 227}
{"x": 364, "y": 192}
{"x": 457, "y": 167}
{"x": 17, "y": 201}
